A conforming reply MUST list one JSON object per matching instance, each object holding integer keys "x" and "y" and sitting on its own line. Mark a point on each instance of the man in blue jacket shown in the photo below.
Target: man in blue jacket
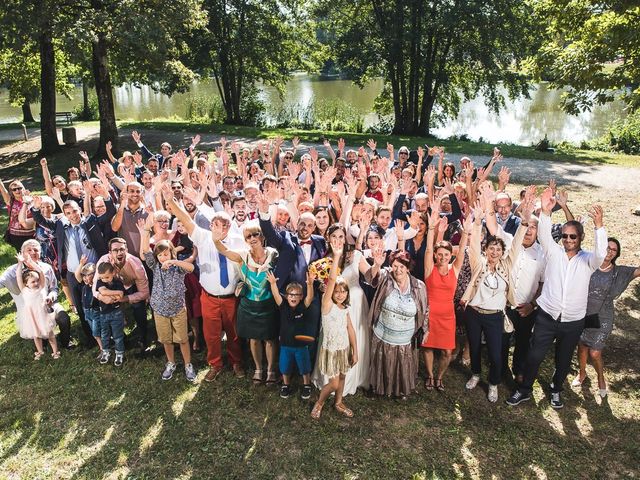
{"x": 76, "y": 236}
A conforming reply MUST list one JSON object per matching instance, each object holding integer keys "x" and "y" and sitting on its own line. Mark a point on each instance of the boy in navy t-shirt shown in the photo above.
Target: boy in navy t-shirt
{"x": 111, "y": 291}
{"x": 293, "y": 347}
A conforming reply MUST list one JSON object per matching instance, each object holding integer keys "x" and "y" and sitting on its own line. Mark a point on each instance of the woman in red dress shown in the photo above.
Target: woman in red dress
{"x": 441, "y": 278}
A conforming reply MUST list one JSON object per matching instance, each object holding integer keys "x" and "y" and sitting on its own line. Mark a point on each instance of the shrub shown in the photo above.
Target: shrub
{"x": 91, "y": 113}
{"x": 624, "y": 135}
{"x": 202, "y": 108}
{"x": 323, "y": 114}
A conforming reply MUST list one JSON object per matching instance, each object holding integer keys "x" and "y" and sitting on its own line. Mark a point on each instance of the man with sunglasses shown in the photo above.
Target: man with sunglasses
{"x": 563, "y": 301}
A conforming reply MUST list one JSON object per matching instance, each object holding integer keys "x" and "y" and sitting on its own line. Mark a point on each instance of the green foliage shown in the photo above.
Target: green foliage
{"x": 433, "y": 55}
{"x": 20, "y": 72}
{"x": 592, "y": 48}
{"x": 252, "y": 108}
{"x": 246, "y": 41}
{"x": 204, "y": 108}
{"x": 92, "y": 110}
{"x": 623, "y": 136}
{"x": 322, "y": 114}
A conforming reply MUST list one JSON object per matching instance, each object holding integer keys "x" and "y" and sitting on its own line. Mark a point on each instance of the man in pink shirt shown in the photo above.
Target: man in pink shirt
{"x": 136, "y": 283}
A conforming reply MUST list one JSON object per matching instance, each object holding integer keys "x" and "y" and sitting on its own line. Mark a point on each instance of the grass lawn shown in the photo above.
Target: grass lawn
{"x": 75, "y": 419}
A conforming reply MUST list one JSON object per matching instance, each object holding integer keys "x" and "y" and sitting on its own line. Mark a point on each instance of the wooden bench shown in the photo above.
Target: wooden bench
{"x": 66, "y": 117}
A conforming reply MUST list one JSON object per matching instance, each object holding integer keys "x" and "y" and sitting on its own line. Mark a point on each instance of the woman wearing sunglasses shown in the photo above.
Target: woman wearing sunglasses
{"x": 16, "y": 234}
{"x": 487, "y": 295}
{"x": 607, "y": 283}
{"x": 257, "y": 318}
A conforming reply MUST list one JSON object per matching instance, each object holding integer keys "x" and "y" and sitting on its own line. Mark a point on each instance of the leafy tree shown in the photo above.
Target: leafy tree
{"x": 139, "y": 42}
{"x": 592, "y": 48}
{"x": 37, "y": 21}
{"x": 20, "y": 72}
{"x": 433, "y": 54}
{"x": 246, "y": 41}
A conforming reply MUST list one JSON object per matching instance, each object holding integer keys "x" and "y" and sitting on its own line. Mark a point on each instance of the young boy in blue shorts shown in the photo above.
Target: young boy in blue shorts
{"x": 291, "y": 319}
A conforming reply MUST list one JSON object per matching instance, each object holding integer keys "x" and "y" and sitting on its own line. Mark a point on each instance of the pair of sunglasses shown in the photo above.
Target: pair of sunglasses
{"x": 572, "y": 236}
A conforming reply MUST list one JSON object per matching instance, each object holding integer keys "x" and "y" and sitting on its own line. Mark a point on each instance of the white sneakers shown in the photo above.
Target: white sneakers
{"x": 473, "y": 382}
{"x": 492, "y": 396}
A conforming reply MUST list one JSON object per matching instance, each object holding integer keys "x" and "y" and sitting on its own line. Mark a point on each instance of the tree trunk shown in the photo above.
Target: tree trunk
{"x": 27, "y": 116}
{"x": 102, "y": 80}
{"x": 86, "y": 115}
{"x": 48, "y": 133}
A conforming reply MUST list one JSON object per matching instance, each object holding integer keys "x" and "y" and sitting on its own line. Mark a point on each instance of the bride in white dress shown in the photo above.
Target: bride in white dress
{"x": 355, "y": 263}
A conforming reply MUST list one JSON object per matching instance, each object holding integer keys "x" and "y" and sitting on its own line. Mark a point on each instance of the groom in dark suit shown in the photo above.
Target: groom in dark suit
{"x": 296, "y": 252}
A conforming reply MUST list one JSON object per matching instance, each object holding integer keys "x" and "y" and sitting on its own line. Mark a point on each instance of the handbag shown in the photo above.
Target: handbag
{"x": 593, "y": 320}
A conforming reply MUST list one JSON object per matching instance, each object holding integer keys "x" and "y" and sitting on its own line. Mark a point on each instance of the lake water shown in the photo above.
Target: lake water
{"x": 523, "y": 121}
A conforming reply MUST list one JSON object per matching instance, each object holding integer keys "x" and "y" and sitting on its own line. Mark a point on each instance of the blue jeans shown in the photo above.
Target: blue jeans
{"x": 112, "y": 325}
{"x": 92, "y": 316}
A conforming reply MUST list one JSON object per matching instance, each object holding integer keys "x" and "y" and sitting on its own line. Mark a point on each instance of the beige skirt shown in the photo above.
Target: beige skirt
{"x": 335, "y": 363}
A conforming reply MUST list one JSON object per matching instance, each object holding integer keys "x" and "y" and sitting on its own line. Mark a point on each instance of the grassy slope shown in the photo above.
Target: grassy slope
{"x": 76, "y": 419}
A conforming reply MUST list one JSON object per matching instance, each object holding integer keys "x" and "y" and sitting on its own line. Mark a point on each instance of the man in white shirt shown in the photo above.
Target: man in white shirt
{"x": 219, "y": 278}
{"x": 563, "y": 301}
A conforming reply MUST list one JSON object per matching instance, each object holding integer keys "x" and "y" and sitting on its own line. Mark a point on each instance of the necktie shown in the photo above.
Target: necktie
{"x": 224, "y": 273}
{"x": 75, "y": 233}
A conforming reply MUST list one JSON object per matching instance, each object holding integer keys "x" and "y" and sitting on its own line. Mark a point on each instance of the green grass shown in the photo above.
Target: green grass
{"x": 451, "y": 146}
{"x": 76, "y": 419}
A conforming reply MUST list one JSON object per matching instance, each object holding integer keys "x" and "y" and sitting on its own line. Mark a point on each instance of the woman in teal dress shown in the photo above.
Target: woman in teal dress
{"x": 257, "y": 318}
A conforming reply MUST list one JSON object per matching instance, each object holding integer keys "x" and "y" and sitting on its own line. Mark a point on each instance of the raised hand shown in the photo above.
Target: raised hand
{"x": 378, "y": 254}
{"x": 596, "y": 213}
{"x": 341, "y": 145}
{"x": 414, "y": 219}
{"x": 526, "y": 210}
{"x": 467, "y": 224}
{"x": 141, "y": 225}
{"x": 135, "y": 135}
{"x": 271, "y": 278}
{"x": 443, "y": 224}
{"x": 447, "y": 187}
{"x": 553, "y": 185}
{"x": 84, "y": 155}
{"x": 503, "y": 176}
{"x": 195, "y": 140}
{"x": 431, "y": 173}
{"x": 108, "y": 146}
{"x": 420, "y": 153}
{"x": 137, "y": 159}
{"x": 561, "y": 198}
{"x": 43, "y": 162}
{"x": 399, "y": 227}
{"x": 263, "y": 203}
{"x": 496, "y": 154}
{"x": 371, "y": 143}
{"x": 37, "y": 201}
{"x": 547, "y": 200}
{"x": 311, "y": 277}
{"x": 295, "y": 142}
{"x": 390, "y": 149}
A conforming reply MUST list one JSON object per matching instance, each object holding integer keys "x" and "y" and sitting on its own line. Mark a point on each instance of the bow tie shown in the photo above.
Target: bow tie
{"x": 305, "y": 242}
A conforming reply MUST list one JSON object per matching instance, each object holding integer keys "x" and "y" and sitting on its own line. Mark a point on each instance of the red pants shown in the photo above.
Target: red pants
{"x": 218, "y": 315}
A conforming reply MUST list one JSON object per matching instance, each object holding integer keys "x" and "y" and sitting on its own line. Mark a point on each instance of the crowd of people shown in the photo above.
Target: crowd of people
{"x": 345, "y": 270}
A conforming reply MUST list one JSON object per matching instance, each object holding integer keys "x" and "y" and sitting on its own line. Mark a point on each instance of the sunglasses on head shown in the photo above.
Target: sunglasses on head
{"x": 251, "y": 235}
{"x": 572, "y": 236}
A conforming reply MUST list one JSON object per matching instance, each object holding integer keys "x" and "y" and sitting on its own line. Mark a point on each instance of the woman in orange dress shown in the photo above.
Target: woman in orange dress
{"x": 441, "y": 278}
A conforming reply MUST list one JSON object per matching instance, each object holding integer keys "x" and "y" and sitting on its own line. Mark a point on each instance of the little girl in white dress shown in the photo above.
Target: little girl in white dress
{"x": 35, "y": 321}
{"x": 339, "y": 351}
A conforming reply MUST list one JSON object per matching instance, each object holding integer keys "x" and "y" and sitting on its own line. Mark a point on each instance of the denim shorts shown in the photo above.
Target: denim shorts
{"x": 299, "y": 355}
{"x": 92, "y": 316}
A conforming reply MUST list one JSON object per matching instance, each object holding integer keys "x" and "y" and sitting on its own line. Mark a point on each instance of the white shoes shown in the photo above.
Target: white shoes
{"x": 602, "y": 392}
{"x": 577, "y": 382}
{"x": 493, "y": 393}
{"x": 473, "y": 382}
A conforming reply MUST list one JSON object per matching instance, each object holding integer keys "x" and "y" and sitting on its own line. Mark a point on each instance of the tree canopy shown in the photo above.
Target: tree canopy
{"x": 433, "y": 54}
{"x": 591, "y": 48}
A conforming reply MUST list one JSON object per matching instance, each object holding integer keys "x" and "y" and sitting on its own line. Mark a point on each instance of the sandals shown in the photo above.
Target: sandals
{"x": 317, "y": 410}
{"x": 439, "y": 385}
{"x": 343, "y": 409}
{"x": 55, "y": 355}
{"x": 38, "y": 355}
{"x": 257, "y": 377}
{"x": 272, "y": 378}
{"x": 428, "y": 384}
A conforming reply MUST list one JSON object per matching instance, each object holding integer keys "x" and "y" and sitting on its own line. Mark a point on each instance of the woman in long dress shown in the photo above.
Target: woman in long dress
{"x": 354, "y": 263}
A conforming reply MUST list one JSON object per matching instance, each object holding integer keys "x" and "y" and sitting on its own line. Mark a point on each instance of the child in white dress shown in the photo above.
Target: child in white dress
{"x": 35, "y": 321}
{"x": 339, "y": 351}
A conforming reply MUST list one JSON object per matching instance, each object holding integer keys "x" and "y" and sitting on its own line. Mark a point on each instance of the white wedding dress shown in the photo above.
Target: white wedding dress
{"x": 358, "y": 376}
